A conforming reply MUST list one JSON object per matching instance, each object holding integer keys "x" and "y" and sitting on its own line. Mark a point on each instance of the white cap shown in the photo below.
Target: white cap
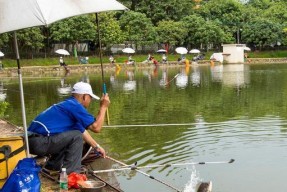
{"x": 84, "y": 88}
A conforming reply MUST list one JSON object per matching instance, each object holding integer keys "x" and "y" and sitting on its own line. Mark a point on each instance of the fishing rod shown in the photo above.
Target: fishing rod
{"x": 107, "y": 183}
{"x": 145, "y": 174}
{"x": 154, "y": 125}
{"x": 135, "y": 167}
{"x": 172, "y": 79}
{"x": 102, "y": 68}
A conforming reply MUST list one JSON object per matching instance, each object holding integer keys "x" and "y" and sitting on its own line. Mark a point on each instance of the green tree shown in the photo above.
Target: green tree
{"x": 227, "y": 13}
{"x": 138, "y": 28}
{"x": 4, "y": 38}
{"x": 29, "y": 40}
{"x": 165, "y": 10}
{"x": 209, "y": 33}
{"x": 73, "y": 30}
{"x": 192, "y": 23}
{"x": 110, "y": 31}
{"x": 262, "y": 32}
{"x": 171, "y": 32}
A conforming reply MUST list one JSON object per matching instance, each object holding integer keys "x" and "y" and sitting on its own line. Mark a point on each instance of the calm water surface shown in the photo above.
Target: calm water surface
{"x": 177, "y": 115}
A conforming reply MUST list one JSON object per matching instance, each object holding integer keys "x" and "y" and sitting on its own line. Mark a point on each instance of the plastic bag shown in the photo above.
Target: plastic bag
{"x": 75, "y": 178}
{"x": 24, "y": 177}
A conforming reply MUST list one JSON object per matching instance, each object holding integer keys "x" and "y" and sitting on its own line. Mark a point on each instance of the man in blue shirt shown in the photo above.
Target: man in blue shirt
{"x": 59, "y": 131}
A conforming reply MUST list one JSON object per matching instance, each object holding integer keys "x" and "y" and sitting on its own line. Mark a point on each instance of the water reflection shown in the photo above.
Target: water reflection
{"x": 195, "y": 75}
{"x": 181, "y": 80}
{"x": 236, "y": 75}
{"x": 216, "y": 123}
{"x": 64, "y": 89}
{"x": 130, "y": 84}
{"x": 164, "y": 78}
{"x": 3, "y": 94}
{"x": 216, "y": 73}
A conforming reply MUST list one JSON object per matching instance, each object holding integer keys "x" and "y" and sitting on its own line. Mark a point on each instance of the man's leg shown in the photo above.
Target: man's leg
{"x": 66, "y": 150}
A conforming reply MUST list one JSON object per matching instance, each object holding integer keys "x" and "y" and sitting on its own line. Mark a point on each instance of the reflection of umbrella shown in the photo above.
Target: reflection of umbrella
{"x": 62, "y": 52}
{"x": 194, "y": 51}
{"x": 1, "y": 54}
{"x": 129, "y": 85}
{"x": 246, "y": 49}
{"x": 128, "y": 50}
{"x": 181, "y": 50}
{"x": 161, "y": 51}
{"x": 43, "y": 12}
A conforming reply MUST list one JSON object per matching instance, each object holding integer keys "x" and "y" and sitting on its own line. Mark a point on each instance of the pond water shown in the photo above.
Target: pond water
{"x": 182, "y": 115}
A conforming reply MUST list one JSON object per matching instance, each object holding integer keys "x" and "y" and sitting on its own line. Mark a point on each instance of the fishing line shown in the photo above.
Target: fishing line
{"x": 153, "y": 125}
{"x": 172, "y": 79}
{"x": 145, "y": 174}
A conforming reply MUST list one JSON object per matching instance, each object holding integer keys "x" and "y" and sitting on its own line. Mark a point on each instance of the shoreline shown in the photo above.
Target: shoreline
{"x": 38, "y": 70}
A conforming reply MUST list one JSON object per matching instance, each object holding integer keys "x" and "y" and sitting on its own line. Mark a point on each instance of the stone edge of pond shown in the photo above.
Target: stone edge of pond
{"x": 34, "y": 70}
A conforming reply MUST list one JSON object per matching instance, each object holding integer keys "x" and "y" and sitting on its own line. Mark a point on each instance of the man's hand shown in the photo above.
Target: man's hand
{"x": 102, "y": 151}
{"x": 105, "y": 101}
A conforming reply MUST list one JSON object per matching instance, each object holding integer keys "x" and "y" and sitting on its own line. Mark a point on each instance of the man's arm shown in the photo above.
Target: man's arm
{"x": 88, "y": 139}
{"x": 100, "y": 118}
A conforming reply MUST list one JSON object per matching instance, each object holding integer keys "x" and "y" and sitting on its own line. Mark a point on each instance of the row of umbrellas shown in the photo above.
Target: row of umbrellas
{"x": 179, "y": 50}
{"x": 59, "y": 51}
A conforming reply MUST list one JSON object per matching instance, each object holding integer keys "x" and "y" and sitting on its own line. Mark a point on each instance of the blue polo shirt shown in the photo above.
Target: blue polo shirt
{"x": 64, "y": 116}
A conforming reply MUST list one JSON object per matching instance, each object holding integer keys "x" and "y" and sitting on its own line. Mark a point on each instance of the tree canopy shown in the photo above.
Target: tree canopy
{"x": 197, "y": 23}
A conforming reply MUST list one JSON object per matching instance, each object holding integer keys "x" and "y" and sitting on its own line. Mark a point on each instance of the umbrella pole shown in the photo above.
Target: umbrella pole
{"x": 21, "y": 94}
{"x": 102, "y": 68}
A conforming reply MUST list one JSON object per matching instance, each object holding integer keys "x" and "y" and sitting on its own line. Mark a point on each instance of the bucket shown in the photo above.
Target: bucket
{"x": 12, "y": 150}
{"x": 92, "y": 186}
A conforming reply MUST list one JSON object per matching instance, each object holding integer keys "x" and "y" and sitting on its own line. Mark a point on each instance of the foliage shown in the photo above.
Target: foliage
{"x": 171, "y": 32}
{"x": 146, "y": 19}
{"x": 74, "y": 29}
{"x": 262, "y": 32}
{"x": 110, "y": 32}
{"x": 3, "y": 40}
{"x": 165, "y": 10}
{"x": 138, "y": 27}
{"x": 29, "y": 39}
{"x": 3, "y": 106}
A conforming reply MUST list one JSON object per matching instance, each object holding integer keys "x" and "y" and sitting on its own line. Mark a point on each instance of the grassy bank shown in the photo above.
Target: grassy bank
{"x": 70, "y": 60}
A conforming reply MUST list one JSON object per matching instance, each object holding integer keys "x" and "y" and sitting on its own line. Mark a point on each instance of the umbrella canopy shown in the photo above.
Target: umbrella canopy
{"x": 62, "y": 52}
{"x": 161, "y": 51}
{"x": 1, "y": 54}
{"x": 246, "y": 49}
{"x": 217, "y": 57}
{"x": 194, "y": 51}
{"x": 128, "y": 50}
{"x": 43, "y": 12}
{"x": 181, "y": 50}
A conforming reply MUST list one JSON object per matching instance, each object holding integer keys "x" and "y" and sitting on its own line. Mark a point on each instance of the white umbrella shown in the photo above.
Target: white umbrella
{"x": 246, "y": 49}
{"x": 128, "y": 50}
{"x": 161, "y": 51}
{"x": 62, "y": 52}
{"x": 194, "y": 51}
{"x": 44, "y": 12}
{"x": 181, "y": 50}
{"x": 217, "y": 57}
{"x": 1, "y": 54}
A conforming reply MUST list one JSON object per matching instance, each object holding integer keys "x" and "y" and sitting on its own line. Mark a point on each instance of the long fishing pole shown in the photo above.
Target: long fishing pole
{"x": 172, "y": 79}
{"x": 107, "y": 183}
{"x": 102, "y": 68}
{"x": 134, "y": 167}
{"x": 145, "y": 174}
